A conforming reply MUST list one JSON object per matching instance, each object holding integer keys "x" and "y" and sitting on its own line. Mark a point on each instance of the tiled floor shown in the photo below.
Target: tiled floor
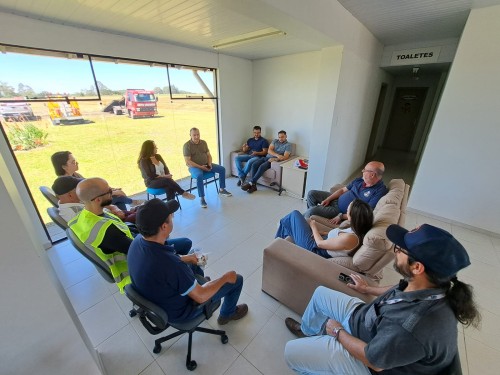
{"x": 234, "y": 231}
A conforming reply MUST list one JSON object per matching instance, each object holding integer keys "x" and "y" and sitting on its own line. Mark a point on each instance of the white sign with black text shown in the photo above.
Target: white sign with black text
{"x": 416, "y": 56}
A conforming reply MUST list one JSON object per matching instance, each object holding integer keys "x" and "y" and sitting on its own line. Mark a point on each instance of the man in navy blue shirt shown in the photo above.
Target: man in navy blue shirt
{"x": 369, "y": 188}
{"x": 166, "y": 279}
{"x": 254, "y": 149}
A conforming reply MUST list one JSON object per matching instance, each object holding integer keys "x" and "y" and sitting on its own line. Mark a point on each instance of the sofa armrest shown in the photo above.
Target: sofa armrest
{"x": 291, "y": 274}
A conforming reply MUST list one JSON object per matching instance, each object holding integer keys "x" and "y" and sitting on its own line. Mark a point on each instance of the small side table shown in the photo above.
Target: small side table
{"x": 293, "y": 179}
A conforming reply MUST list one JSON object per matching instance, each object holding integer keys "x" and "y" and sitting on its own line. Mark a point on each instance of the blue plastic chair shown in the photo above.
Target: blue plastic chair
{"x": 155, "y": 192}
{"x": 206, "y": 177}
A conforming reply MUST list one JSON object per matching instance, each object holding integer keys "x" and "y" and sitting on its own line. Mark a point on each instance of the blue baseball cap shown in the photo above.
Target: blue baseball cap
{"x": 434, "y": 247}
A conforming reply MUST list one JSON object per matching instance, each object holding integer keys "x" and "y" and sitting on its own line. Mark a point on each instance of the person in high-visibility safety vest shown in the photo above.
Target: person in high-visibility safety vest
{"x": 106, "y": 233}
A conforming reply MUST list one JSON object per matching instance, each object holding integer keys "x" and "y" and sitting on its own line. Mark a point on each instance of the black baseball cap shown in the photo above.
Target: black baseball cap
{"x": 65, "y": 184}
{"x": 152, "y": 214}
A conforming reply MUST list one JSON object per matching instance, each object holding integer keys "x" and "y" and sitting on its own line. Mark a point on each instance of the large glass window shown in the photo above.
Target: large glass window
{"x": 105, "y": 135}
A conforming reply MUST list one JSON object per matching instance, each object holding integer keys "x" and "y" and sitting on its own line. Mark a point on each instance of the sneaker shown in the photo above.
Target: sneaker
{"x": 187, "y": 195}
{"x": 246, "y": 186}
{"x": 241, "y": 311}
{"x": 252, "y": 189}
{"x": 225, "y": 193}
{"x": 203, "y": 203}
{"x": 240, "y": 182}
{"x": 294, "y": 327}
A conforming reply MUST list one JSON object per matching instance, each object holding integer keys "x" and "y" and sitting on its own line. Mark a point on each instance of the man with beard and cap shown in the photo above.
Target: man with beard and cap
{"x": 106, "y": 233}
{"x": 410, "y": 328}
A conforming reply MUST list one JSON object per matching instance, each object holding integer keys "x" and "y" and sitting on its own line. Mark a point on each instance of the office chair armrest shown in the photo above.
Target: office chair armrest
{"x": 208, "y": 307}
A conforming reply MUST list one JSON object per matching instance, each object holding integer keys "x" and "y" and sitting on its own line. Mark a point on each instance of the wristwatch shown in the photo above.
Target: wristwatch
{"x": 336, "y": 330}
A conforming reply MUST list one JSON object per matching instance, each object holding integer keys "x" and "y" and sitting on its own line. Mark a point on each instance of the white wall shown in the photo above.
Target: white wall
{"x": 284, "y": 97}
{"x": 37, "y": 333}
{"x": 343, "y": 110}
{"x": 458, "y": 176}
{"x": 235, "y": 116}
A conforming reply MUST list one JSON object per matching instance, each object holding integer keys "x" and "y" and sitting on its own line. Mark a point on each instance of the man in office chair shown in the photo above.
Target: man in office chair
{"x": 106, "y": 233}
{"x": 164, "y": 279}
{"x": 410, "y": 328}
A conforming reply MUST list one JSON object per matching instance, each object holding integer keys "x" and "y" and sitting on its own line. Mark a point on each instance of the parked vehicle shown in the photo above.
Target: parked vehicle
{"x": 19, "y": 111}
{"x": 137, "y": 103}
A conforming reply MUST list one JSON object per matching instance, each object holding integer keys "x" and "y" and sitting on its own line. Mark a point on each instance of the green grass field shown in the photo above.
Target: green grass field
{"x": 109, "y": 146}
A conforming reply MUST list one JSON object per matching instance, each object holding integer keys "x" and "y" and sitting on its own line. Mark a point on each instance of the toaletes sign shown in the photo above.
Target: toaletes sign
{"x": 416, "y": 56}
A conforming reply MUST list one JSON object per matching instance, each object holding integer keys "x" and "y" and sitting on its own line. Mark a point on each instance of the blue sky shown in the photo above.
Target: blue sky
{"x": 59, "y": 75}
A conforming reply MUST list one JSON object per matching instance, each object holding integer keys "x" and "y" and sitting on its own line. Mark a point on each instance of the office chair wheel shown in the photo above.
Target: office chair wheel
{"x": 132, "y": 313}
{"x": 191, "y": 365}
{"x": 157, "y": 348}
{"x": 224, "y": 339}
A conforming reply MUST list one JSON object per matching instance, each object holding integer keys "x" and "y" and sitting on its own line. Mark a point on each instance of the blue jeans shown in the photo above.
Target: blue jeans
{"x": 317, "y": 196}
{"x": 230, "y": 293}
{"x": 120, "y": 201}
{"x": 181, "y": 245}
{"x": 295, "y": 226}
{"x": 259, "y": 167}
{"x": 197, "y": 174}
{"x": 322, "y": 354}
{"x": 243, "y": 171}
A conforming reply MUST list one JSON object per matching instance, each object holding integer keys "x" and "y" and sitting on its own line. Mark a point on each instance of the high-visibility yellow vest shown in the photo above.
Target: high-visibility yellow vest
{"x": 90, "y": 229}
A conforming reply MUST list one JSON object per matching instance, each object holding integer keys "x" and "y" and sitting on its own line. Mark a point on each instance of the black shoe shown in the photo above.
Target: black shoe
{"x": 252, "y": 188}
{"x": 246, "y": 186}
{"x": 294, "y": 327}
{"x": 240, "y": 182}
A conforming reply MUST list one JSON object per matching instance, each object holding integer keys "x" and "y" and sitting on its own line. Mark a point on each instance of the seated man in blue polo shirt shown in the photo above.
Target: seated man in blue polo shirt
{"x": 166, "y": 279}
{"x": 254, "y": 149}
{"x": 279, "y": 150}
{"x": 369, "y": 188}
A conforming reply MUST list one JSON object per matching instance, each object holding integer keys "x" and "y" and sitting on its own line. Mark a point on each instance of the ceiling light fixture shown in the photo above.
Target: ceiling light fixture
{"x": 248, "y": 37}
{"x": 415, "y": 73}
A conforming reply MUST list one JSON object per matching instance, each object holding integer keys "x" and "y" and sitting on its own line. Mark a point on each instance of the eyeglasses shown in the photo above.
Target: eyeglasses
{"x": 74, "y": 162}
{"x": 398, "y": 249}
{"x": 110, "y": 191}
{"x": 367, "y": 170}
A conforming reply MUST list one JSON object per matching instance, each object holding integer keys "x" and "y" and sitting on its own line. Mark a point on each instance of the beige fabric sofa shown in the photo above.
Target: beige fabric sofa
{"x": 271, "y": 177}
{"x": 291, "y": 274}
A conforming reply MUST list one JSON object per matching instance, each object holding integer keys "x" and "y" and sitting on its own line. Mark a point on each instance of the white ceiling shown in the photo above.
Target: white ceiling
{"x": 203, "y": 23}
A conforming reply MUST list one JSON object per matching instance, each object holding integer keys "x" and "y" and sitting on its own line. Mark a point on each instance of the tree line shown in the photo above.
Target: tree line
{"x": 8, "y": 91}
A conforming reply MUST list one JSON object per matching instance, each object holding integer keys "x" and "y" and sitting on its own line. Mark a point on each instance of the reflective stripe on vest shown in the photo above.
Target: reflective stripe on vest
{"x": 90, "y": 229}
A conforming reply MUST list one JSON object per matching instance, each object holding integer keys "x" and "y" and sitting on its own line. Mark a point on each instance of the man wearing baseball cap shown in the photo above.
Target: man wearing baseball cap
{"x": 69, "y": 204}
{"x": 410, "y": 328}
{"x": 166, "y": 279}
{"x": 105, "y": 232}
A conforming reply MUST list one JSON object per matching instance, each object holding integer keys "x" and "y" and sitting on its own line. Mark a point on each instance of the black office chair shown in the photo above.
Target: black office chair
{"x": 56, "y": 218}
{"x": 49, "y": 195}
{"x": 455, "y": 368}
{"x": 90, "y": 254}
{"x": 155, "y": 320}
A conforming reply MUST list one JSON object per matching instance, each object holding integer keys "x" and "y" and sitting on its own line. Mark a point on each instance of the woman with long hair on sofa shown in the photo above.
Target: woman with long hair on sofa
{"x": 338, "y": 241}
{"x": 65, "y": 164}
{"x": 155, "y": 172}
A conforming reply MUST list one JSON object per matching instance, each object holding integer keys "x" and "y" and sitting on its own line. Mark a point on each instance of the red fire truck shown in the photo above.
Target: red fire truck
{"x": 137, "y": 103}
